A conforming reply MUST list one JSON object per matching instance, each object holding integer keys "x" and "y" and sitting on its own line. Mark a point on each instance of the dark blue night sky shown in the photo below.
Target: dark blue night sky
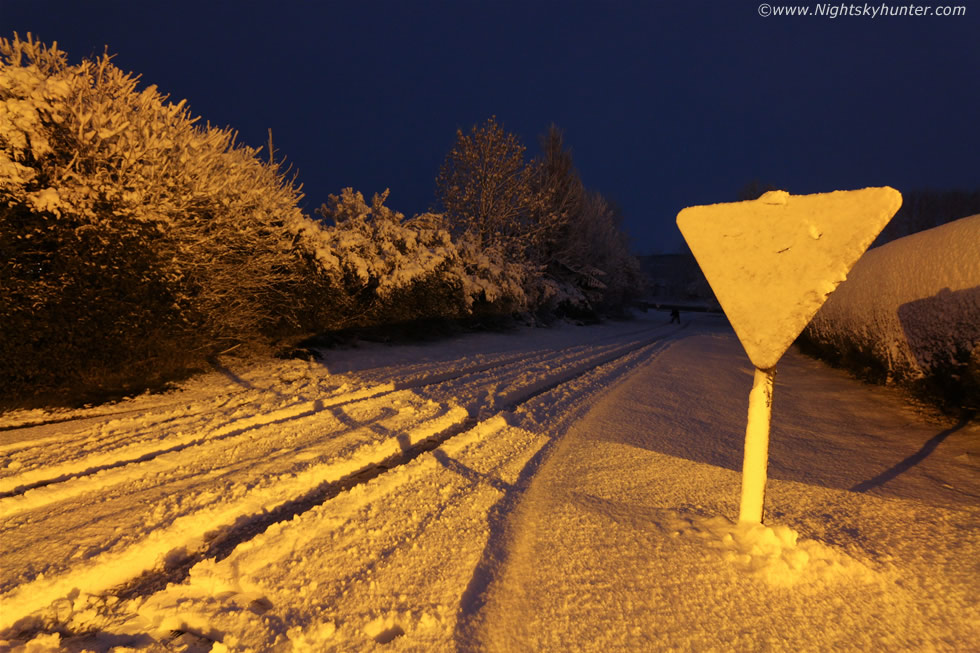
{"x": 665, "y": 104}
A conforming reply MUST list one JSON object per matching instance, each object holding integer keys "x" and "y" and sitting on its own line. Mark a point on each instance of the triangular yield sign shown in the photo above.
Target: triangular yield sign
{"x": 773, "y": 261}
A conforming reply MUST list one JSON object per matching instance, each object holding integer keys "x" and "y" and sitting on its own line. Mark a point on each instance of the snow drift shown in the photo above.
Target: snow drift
{"x": 910, "y": 312}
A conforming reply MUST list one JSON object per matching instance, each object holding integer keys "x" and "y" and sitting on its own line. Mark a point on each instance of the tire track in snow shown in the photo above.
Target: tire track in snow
{"x": 98, "y": 474}
{"x": 94, "y": 414}
{"x": 156, "y": 414}
{"x": 163, "y": 408}
{"x": 128, "y": 455}
{"x": 101, "y": 477}
{"x": 43, "y": 475}
{"x": 490, "y": 462}
{"x": 188, "y": 532}
{"x": 284, "y": 499}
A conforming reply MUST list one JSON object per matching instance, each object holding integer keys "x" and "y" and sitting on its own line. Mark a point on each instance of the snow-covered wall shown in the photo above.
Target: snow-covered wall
{"x": 910, "y": 307}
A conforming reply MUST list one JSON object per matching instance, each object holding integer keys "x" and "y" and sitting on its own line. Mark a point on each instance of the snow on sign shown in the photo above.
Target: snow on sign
{"x": 771, "y": 263}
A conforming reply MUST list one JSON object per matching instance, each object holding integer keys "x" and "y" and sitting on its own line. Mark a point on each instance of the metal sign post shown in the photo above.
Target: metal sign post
{"x": 772, "y": 263}
{"x": 755, "y": 459}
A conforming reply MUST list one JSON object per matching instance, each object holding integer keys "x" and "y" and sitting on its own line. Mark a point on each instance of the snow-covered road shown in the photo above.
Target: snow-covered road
{"x": 490, "y": 492}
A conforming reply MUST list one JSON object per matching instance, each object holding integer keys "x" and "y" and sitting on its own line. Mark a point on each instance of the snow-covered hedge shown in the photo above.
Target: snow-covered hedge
{"x": 133, "y": 240}
{"x": 909, "y": 312}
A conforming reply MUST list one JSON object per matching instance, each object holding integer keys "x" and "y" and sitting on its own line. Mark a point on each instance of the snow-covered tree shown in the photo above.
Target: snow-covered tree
{"x": 576, "y": 238}
{"x": 484, "y": 187}
{"x": 609, "y": 261}
{"x": 558, "y": 198}
{"x": 537, "y": 216}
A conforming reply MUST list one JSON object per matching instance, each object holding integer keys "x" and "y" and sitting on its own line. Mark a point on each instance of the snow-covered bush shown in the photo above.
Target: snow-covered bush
{"x": 396, "y": 270}
{"x": 133, "y": 240}
{"x": 390, "y": 271}
{"x": 491, "y": 281}
{"x": 909, "y": 312}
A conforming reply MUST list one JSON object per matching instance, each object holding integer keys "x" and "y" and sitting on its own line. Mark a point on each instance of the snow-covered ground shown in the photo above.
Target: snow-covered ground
{"x": 547, "y": 489}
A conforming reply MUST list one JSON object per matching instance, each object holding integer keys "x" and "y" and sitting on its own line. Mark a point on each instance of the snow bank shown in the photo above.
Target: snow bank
{"x": 910, "y": 308}
{"x": 774, "y": 553}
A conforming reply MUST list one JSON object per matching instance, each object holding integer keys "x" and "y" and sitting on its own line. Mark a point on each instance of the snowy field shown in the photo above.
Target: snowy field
{"x": 542, "y": 490}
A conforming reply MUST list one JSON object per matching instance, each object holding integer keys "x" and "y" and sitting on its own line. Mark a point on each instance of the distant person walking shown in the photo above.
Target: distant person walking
{"x": 675, "y": 316}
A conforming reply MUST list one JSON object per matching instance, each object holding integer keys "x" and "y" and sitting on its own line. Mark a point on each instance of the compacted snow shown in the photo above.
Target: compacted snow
{"x": 546, "y": 489}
